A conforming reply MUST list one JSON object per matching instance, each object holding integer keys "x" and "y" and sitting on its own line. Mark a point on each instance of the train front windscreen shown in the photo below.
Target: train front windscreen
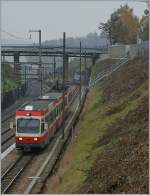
{"x": 28, "y": 125}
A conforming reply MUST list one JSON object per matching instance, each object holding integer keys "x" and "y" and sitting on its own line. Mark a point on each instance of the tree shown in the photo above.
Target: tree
{"x": 122, "y": 27}
{"x": 106, "y": 27}
{"x": 144, "y": 26}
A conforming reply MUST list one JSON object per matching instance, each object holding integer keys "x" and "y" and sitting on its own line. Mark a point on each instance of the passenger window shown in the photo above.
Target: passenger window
{"x": 50, "y": 119}
{"x": 52, "y": 113}
{"x": 66, "y": 100}
{"x": 60, "y": 108}
{"x": 42, "y": 127}
{"x": 55, "y": 112}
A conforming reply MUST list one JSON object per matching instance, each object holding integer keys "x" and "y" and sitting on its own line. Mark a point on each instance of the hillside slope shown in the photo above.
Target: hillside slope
{"x": 123, "y": 167}
{"x": 109, "y": 151}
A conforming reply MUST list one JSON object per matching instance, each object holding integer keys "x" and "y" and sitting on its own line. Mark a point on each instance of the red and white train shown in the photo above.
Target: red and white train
{"x": 38, "y": 120}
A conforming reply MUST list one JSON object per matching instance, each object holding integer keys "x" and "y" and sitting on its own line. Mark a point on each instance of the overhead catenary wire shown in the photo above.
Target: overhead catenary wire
{"x": 14, "y": 36}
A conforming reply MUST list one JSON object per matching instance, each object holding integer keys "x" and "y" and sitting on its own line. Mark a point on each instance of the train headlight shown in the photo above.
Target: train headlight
{"x": 20, "y": 138}
{"x": 35, "y": 138}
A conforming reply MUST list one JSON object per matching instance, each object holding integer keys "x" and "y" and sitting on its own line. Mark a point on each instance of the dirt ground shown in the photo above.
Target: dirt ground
{"x": 126, "y": 79}
{"x": 123, "y": 167}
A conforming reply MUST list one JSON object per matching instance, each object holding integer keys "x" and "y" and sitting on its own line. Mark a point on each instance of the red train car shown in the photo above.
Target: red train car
{"x": 38, "y": 120}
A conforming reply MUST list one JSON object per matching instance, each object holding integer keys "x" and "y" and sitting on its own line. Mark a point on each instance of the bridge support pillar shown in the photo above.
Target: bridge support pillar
{"x": 16, "y": 65}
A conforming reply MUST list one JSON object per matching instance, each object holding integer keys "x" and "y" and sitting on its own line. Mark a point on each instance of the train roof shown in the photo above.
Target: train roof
{"x": 52, "y": 96}
{"x": 43, "y": 102}
{"x": 37, "y": 105}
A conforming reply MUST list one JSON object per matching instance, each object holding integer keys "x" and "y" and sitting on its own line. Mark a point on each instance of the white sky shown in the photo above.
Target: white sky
{"x": 75, "y": 18}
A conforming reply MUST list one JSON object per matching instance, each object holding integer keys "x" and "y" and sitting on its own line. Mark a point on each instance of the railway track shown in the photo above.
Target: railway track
{"x": 5, "y": 131}
{"x": 10, "y": 175}
{"x": 6, "y": 137}
{"x": 8, "y": 117}
{"x": 17, "y": 169}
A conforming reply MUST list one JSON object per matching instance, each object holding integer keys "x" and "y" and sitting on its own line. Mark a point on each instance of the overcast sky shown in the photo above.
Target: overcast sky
{"x": 53, "y": 18}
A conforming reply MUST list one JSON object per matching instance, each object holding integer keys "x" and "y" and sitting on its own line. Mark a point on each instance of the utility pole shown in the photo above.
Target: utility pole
{"x": 63, "y": 82}
{"x": 80, "y": 75}
{"x": 3, "y": 75}
{"x": 85, "y": 66}
{"x": 25, "y": 77}
{"x": 40, "y": 59}
{"x": 54, "y": 68}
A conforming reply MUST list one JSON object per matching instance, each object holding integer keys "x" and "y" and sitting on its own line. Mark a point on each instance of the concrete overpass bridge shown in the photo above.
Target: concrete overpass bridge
{"x": 57, "y": 51}
{"x": 47, "y": 51}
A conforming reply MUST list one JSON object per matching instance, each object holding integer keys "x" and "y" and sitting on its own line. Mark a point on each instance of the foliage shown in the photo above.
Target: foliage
{"x": 122, "y": 27}
{"x": 144, "y": 24}
{"x": 8, "y": 82}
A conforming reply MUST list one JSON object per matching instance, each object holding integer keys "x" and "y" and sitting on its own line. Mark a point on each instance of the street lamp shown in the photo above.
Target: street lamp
{"x": 40, "y": 60}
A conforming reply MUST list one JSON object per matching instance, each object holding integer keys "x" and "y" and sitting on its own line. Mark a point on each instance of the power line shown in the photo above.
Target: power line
{"x": 14, "y": 36}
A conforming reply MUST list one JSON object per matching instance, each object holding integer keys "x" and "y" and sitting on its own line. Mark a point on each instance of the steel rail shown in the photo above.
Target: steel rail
{"x": 10, "y": 175}
{"x": 8, "y": 117}
{"x": 5, "y": 131}
{"x": 7, "y": 139}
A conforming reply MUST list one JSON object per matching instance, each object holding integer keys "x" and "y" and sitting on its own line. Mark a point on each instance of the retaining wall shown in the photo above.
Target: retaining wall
{"x": 131, "y": 51}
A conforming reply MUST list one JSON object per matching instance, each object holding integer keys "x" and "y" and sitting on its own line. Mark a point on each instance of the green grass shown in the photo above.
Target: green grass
{"x": 9, "y": 84}
{"x": 100, "y": 66}
{"x": 92, "y": 128}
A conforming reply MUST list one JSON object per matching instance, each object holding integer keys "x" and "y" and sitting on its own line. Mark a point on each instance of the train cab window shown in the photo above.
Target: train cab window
{"x": 25, "y": 125}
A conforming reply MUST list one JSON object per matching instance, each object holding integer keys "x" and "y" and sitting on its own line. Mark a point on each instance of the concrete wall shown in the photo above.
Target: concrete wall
{"x": 132, "y": 51}
{"x": 117, "y": 51}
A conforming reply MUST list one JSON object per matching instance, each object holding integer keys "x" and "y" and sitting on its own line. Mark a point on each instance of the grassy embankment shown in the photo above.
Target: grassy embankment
{"x": 110, "y": 149}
